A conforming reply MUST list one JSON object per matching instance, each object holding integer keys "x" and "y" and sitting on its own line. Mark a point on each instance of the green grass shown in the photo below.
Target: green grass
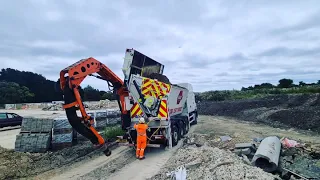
{"x": 113, "y": 132}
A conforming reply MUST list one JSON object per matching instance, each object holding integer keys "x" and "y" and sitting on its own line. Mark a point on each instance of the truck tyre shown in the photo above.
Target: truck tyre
{"x": 186, "y": 127}
{"x": 175, "y": 135}
{"x": 181, "y": 129}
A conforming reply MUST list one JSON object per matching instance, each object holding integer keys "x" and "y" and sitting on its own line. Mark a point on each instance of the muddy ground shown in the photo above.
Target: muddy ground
{"x": 74, "y": 163}
{"x": 301, "y": 111}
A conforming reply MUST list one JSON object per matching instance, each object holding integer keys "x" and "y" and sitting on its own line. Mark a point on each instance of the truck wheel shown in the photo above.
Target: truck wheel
{"x": 186, "y": 127}
{"x": 181, "y": 129}
{"x": 175, "y": 135}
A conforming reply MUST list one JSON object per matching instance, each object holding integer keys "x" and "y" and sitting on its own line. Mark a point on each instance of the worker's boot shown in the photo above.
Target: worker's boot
{"x": 141, "y": 158}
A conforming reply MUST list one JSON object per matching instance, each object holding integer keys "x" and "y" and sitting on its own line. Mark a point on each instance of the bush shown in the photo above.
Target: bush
{"x": 112, "y": 132}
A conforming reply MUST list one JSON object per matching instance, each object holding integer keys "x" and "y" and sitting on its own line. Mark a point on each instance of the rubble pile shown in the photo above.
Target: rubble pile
{"x": 53, "y": 107}
{"x": 296, "y": 159}
{"x": 300, "y": 111}
{"x": 102, "y": 104}
{"x": 15, "y": 165}
{"x": 207, "y": 162}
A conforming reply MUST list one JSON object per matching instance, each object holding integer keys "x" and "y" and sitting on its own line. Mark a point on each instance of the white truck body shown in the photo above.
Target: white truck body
{"x": 168, "y": 108}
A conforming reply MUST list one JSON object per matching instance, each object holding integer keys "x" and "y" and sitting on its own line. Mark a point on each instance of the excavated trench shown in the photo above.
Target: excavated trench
{"x": 301, "y": 111}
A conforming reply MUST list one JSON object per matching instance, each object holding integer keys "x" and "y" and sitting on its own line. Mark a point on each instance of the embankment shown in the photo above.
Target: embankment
{"x": 301, "y": 111}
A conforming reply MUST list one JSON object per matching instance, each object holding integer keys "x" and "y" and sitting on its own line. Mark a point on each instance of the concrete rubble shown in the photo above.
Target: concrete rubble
{"x": 207, "y": 162}
{"x": 91, "y": 105}
{"x": 202, "y": 152}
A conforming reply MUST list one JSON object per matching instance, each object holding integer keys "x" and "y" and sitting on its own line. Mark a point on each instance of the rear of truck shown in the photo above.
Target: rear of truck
{"x": 168, "y": 108}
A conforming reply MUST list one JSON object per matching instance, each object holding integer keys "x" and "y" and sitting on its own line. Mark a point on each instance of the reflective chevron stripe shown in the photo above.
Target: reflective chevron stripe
{"x": 154, "y": 88}
{"x": 136, "y": 110}
{"x": 163, "y": 111}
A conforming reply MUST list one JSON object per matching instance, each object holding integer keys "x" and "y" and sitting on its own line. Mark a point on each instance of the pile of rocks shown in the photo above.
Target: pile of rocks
{"x": 207, "y": 162}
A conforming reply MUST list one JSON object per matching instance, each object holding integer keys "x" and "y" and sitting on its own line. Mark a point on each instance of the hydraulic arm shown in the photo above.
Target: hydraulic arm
{"x": 70, "y": 80}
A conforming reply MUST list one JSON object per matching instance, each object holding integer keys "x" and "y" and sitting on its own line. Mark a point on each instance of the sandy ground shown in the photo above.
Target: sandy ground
{"x": 8, "y": 138}
{"x": 122, "y": 164}
{"x": 38, "y": 113}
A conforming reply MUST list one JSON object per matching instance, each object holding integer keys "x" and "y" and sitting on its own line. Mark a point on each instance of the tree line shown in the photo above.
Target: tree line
{"x": 28, "y": 87}
{"x": 284, "y": 86}
{"x": 283, "y": 83}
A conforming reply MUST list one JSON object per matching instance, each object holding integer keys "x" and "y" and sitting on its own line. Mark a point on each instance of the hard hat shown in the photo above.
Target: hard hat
{"x": 141, "y": 120}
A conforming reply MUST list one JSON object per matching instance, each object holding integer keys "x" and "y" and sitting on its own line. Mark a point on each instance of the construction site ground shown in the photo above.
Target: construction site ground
{"x": 82, "y": 162}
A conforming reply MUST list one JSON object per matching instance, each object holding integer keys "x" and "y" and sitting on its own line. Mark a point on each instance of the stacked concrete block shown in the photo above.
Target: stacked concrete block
{"x": 106, "y": 118}
{"x": 103, "y": 118}
{"x": 63, "y": 134}
{"x": 35, "y": 135}
{"x": 36, "y": 125}
{"x": 36, "y": 143}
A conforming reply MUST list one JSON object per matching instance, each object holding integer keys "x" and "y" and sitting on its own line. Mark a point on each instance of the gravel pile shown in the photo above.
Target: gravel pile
{"x": 297, "y": 111}
{"x": 15, "y": 165}
{"x": 212, "y": 163}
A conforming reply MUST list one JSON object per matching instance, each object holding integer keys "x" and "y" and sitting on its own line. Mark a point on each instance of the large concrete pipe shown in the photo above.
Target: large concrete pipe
{"x": 267, "y": 155}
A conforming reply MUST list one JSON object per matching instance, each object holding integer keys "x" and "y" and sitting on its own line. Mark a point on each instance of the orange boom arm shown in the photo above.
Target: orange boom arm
{"x": 70, "y": 80}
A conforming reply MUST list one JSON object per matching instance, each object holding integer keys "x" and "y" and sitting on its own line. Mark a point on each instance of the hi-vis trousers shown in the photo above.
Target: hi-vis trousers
{"x": 141, "y": 145}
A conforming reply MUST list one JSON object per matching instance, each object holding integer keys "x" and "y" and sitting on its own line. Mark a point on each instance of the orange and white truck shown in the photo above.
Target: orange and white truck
{"x": 169, "y": 108}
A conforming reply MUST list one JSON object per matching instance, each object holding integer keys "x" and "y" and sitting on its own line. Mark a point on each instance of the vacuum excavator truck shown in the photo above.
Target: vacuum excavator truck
{"x": 169, "y": 108}
{"x": 144, "y": 92}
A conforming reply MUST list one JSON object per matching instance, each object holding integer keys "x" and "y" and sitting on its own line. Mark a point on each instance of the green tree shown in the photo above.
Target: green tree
{"x": 42, "y": 88}
{"x": 301, "y": 83}
{"x": 266, "y": 86}
{"x": 108, "y": 95}
{"x": 91, "y": 94}
{"x": 285, "y": 83}
{"x": 11, "y": 92}
{"x": 257, "y": 86}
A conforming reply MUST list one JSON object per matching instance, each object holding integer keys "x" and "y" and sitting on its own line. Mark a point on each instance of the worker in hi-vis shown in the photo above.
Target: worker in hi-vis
{"x": 141, "y": 137}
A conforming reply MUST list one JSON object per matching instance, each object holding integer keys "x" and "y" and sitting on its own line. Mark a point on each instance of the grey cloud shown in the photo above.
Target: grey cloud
{"x": 213, "y": 45}
{"x": 289, "y": 52}
{"x": 222, "y": 74}
{"x": 313, "y": 21}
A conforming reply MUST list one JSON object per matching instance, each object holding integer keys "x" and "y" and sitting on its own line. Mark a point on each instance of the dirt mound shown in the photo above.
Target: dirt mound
{"x": 294, "y": 111}
{"x": 15, "y": 165}
{"x": 211, "y": 163}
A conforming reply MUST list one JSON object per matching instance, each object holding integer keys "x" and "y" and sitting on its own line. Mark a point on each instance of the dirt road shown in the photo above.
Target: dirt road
{"x": 122, "y": 164}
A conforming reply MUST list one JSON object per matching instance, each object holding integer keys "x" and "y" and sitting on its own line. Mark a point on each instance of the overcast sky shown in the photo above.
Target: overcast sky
{"x": 212, "y": 44}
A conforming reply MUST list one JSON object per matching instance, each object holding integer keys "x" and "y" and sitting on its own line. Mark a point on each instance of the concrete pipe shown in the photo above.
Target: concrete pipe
{"x": 267, "y": 155}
